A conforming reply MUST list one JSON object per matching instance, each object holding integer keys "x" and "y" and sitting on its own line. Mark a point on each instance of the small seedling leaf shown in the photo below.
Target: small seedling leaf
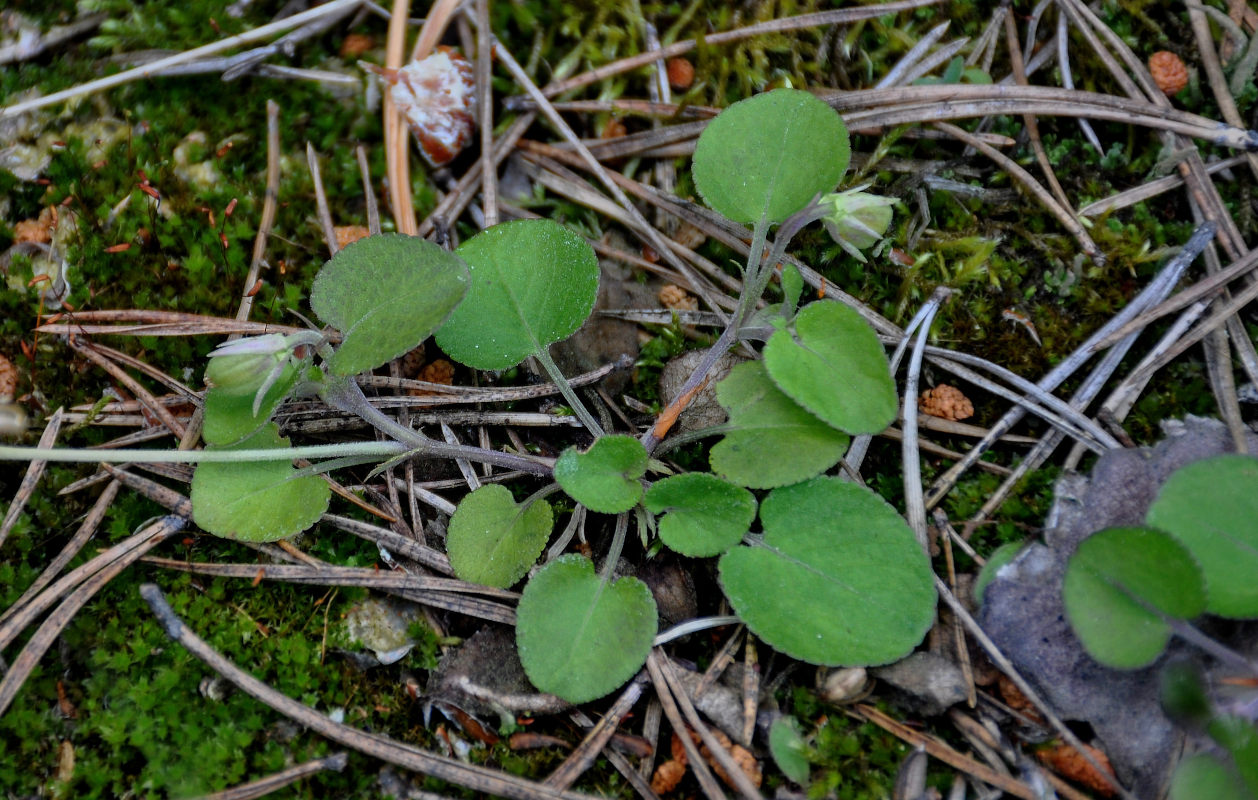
{"x": 1211, "y": 506}
{"x": 493, "y": 540}
{"x": 257, "y": 501}
{"x": 839, "y": 578}
{"x": 1000, "y": 556}
{"x": 1120, "y": 587}
{"x": 1183, "y": 694}
{"x": 386, "y": 294}
{"x": 1205, "y": 777}
{"x": 792, "y": 290}
{"x": 229, "y": 417}
{"x": 578, "y": 637}
{"x": 768, "y": 426}
{"x": 831, "y": 362}
{"x": 769, "y": 155}
{"x": 703, "y": 515}
{"x": 788, "y": 749}
{"x": 1239, "y": 737}
{"x": 533, "y": 283}
{"x": 605, "y": 477}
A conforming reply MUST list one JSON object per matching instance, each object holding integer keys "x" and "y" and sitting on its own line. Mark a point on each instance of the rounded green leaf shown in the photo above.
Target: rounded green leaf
{"x": 578, "y": 637}
{"x": 533, "y": 283}
{"x": 1239, "y": 737}
{"x": 1204, "y": 777}
{"x": 229, "y": 417}
{"x": 831, "y": 362}
{"x": 385, "y": 294}
{"x": 788, "y": 749}
{"x": 768, "y": 426}
{"x": 493, "y": 540}
{"x": 1121, "y": 584}
{"x": 703, "y": 515}
{"x": 605, "y": 477}
{"x": 1211, "y": 506}
{"x": 839, "y": 578}
{"x": 257, "y": 501}
{"x": 769, "y": 155}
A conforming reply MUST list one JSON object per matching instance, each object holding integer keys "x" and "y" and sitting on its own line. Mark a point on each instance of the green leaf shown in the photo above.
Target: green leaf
{"x": 769, "y": 425}
{"x": 788, "y": 749}
{"x": 1000, "y": 556}
{"x": 533, "y": 283}
{"x": 1239, "y": 738}
{"x": 386, "y": 294}
{"x": 1204, "y": 777}
{"x": 703, "y": 515}
{"x": 1211, "y": 506}
{"x": 1119, "y": 586}
{"x": 493, "y": 540}
{"x": 578, "y": 637}
{"x": 792, "y": 290}
{"x": 769, "y": 155}
{"x": 256, "y": 501}
{"x": 229, "y": 417}
{"x": 839, "y": 578}
{"x": 831, "y": 362}
{"x": 605, "y": 477}
{"x": 1182, "y": 690}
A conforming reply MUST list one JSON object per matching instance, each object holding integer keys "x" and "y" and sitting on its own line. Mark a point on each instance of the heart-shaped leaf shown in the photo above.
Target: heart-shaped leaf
{"x": 579, "y": 637}
{"x": 605, "y": 477}
{"x": 769, "y": 155}
{"x": 533, "y": 283}
{"x": 386, "y": 294}
{"x": 831, "y": 362}
{"x": 257, "y": 501}
{"x": 1211, "y": 506}
{"x": 703, "y": 515}
{"x": 775, "y": 441}
{"x": 838, "y": 579}
{"x": 1120, "y": 584}
{"x": 493, "y": 540}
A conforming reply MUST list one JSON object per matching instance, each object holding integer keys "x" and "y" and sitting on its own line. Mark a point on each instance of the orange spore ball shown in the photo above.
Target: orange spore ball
{"x": 681, "y": 73}
{"x": 1168, "y": 72}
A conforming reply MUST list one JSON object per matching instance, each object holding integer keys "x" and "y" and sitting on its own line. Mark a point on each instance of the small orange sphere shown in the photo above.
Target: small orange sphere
{"x": 681, "y": 73}
{"x": 1168, "y": 72}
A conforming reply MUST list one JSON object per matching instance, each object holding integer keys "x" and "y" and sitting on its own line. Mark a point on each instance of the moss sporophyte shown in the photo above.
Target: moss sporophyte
{"x": 832, "y": 576}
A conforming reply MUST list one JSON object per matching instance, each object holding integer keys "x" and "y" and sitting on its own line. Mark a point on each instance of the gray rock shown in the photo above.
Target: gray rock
{"x": 929, "y": 684}
{"x": 1022, "y": 608}
{"x": 703, "y": 411}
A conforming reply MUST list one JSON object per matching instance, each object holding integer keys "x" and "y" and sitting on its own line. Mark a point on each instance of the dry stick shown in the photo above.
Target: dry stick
{"x": 396, "y": 146}
{"x": 915, "y": 507}
{"x": 1214, "y": 73}
{"x": 1032, "y": 125}
{"x": 33, "y": 473}
{"x": 1219, "y": 363}
{"x": 1161, "y": 284}
{"x": 912, "y": 57}
{"x": 582, "y": 758}
{"x": 452, "y": 205}
{"x": 836, "y": 17}
{"x": 91, "y": 353}
{"x": 935, "y": 59}
{"x": 178, "y": 324}
{"x": 321, "y": 201}
{"x": 485, "y": 101}
{"x": 71, "y": 549}
{"x": 270, "y": 203}
{"x": 1006, "y": 666}
{"x": 639, "y": 225}
{"x": 369, "y": 193}
{"x": 641, "y": 783}
{"x": 56, "y": 622}
{"x": 139, "y": 73}
{"x": 734, "y": 773}
{"x": 1068, "y": 80}
{"x": 703, "y": 773}
{"x": 273, "y": 783}
{"x": 185, "y": 391}
{"x": 468, "y": 776}
{"x": 1153, "y": 188}
{"x": 1062, "y": 213}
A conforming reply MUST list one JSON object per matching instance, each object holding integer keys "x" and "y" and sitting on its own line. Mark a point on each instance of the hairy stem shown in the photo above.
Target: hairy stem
{"x": 578, "y": 408}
